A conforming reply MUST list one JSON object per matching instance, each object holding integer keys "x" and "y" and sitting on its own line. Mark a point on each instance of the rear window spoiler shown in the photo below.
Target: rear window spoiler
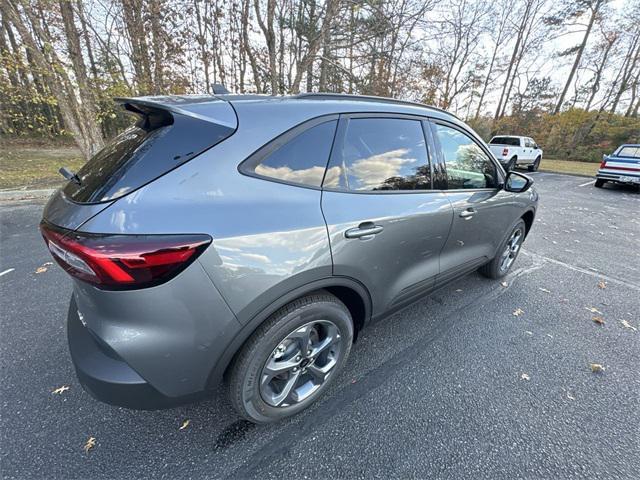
{"x": 195, "y": 106}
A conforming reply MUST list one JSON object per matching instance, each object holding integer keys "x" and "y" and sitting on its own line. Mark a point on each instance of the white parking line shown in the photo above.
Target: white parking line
{"x": 588, "y": 183}
{"x": 9, "y": 270}
{"x": 599, "y": 275}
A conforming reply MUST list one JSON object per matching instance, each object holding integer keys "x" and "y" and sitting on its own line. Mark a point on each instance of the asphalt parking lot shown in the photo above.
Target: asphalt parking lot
{"x": 456, "y": 386}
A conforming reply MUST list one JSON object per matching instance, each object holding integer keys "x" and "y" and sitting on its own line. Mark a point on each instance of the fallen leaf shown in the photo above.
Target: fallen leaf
{"x": 628, "y": 325}
{"x": 517, "y": 312}
{"x": 61, "y": 390}
{"x": 602, "y": 284}
{"x": 504, "y": 284}
{"x": 528, "y": 332}
{"x": 570, "y": 397}
{"x": 594, "y": 310}
{"x": 459, "y": 290}
{"x": 185, "y": 424}
{"x": 597, "y": 319}
{"x": 524, "y": 376}
{"x": 43, "y": 268}
{"x": 90, "y": 444}
{"x": 544, "y": 290}
{"x": 596, "y": 367}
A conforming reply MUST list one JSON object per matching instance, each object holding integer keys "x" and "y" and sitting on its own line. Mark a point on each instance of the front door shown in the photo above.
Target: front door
{"x": 386, "y": 226}
{"x": 482, "y": 212}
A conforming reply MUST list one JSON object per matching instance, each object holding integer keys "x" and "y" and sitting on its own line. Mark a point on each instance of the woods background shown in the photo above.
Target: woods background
{"x": 566, "y": 73}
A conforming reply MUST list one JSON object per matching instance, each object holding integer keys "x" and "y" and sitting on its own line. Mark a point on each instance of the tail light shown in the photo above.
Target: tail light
{"x": 603, "y": 163}
{"x": 505, "y": 152}
{"x": 122, "y": 262}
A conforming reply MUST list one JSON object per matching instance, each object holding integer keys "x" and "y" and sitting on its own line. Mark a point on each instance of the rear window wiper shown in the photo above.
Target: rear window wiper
{"x": 69, "y": 175}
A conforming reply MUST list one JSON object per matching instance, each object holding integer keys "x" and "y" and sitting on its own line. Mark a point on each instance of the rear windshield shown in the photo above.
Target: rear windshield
{"x": 632, "y": 152}
{"x": 514, "y": 142}
{"x": 143, "y": 153}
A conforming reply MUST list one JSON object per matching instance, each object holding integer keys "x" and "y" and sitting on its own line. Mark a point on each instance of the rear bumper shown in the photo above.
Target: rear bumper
{"x": 108, "y": 378}
{"x": 621, "y": 177}
{"x": 153, "y": 347}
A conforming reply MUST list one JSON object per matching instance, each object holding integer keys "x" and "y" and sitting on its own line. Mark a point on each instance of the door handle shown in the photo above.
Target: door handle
{"x": 363, "y": 230}
{"x": 468, "y": 213}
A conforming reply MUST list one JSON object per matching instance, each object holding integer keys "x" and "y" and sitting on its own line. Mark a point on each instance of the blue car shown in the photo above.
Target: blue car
{"x": 622, "y": 166}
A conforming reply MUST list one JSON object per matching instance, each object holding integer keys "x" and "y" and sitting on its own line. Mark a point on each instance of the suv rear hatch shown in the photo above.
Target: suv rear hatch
{"x": 169, "y": 132}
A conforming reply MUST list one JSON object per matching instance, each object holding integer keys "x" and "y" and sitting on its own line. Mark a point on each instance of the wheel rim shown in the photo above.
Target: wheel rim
{"x": 302, "y": 362}
{"x": 511, "y": 250}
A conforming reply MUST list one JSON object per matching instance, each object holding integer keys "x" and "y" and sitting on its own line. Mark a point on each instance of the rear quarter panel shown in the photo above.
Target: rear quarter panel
{"x": 268, "y": 237}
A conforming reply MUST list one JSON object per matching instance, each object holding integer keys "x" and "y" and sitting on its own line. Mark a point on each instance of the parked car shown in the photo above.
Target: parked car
{"x": 622, "y": 166}
{"x": 248, "y": 239}
{"x": 513, "y": 151}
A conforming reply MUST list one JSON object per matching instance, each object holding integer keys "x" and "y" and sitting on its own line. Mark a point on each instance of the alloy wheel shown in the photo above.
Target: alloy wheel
{"x": 511, "y": 249}
{"x": 301, "y": 363}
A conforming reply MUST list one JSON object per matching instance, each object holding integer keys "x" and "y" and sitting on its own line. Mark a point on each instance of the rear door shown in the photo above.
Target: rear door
{"x": 482, "y": 211}
{"x": 528, "y": 148}
{"x": 386, "y": 225}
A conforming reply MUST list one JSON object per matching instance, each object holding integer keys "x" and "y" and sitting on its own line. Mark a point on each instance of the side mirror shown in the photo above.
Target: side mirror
{"x": 535, "y": 145}
{"x": 517, "y": 182}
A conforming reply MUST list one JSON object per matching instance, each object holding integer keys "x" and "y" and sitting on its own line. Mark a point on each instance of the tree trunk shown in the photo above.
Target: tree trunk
{"x": 270, "y": 37}
{"x": 576, "y": 63}
{"x": 157, "y": 41}
{"x": 134, "y": 26}
{"x": 512, "y": 62}
{"x": 65, "y": 98}
{"x": 86, "y": 109}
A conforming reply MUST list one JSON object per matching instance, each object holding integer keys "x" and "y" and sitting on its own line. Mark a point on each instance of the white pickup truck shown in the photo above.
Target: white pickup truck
{"x": 512, "y": 151}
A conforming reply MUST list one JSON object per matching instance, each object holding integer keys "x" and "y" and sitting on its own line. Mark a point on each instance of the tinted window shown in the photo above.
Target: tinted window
{"x": 142, "y": 153}
{"x": 302, "y": 159}
{"x": 380, "y": 154}
{"x": 514, "y": 142}
{"x": 633, "y": 152}
{"x": 467, "y": 164}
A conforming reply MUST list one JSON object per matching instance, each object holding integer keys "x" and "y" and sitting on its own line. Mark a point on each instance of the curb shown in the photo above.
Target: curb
{"x": 16, "y": 195}
{"x": 567, "y": 173}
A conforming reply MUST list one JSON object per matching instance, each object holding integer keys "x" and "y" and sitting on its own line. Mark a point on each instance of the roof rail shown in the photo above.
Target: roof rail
{"x": 368, "y": 98}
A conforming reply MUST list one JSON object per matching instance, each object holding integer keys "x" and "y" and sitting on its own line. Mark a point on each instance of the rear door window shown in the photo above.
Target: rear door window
{"x": 379, "y": 154}
{"x": 298, "y": 157}
{"x": 514, "y": 142}
{"x": 467, "y": 165}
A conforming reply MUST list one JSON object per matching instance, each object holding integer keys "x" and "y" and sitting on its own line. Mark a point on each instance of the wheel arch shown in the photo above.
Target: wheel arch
{"x": 528, "y": 218}
{"x": 349, "y": 291}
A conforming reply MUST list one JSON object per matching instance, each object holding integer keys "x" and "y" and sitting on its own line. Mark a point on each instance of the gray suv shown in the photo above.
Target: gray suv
{"x": 246, "y": 240}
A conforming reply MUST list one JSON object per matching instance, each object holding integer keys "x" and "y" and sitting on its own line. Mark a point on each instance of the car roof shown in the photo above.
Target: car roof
{"x": 345, "y": 102}
{"x": 334, "y": 102}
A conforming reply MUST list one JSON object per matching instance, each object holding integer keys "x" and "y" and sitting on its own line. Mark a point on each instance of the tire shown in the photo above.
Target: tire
{"x": 599, "y": 183}
{"x": 318, "y": 318}
{"x": 535, "y": 165}
{"x": 494, "y": 269}
{"x": 512, "y": 164}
